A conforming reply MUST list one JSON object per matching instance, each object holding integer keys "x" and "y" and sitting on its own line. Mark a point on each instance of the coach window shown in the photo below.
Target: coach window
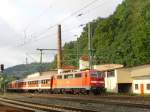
{"x": 136, "y": 87}
{"x": 65, "y": 76}
{"x": 48, "y": 81}
{"x": 148, "y": 86}
{"x": 68, "y": 76}
{"x": 78, "y": 75}
{"x": 59, "y": 77}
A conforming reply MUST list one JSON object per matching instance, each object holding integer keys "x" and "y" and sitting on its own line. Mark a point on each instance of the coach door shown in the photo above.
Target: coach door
{"x": 142, "y": 89}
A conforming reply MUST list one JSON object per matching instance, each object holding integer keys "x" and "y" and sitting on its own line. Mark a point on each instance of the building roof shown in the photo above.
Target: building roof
{"x": 69, "y": 67}
{"x": 36, "y": 78}
{"x": 49, "y": 72}
{"x": 84, "y": 58}
{"x": 138, "y": 71}
{"x": 105, "y": 67}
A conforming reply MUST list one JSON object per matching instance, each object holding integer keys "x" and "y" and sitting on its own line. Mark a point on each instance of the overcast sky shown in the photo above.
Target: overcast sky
{"x": 26, "y": 25}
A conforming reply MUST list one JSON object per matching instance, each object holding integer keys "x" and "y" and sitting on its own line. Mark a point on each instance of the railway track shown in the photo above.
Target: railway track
{"x": 64, "y": 103}
{"x": 108, "y": 100}
{"x": 38, "y": 107}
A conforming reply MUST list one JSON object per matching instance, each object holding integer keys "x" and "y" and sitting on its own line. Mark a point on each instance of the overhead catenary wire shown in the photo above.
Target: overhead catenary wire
{"x": 35, "y": 18}
{"x": 87, "y": 12}
{"x": 37, "y": 38}
{"x": 72, "y": 14}
{"x": 31, "y": 57}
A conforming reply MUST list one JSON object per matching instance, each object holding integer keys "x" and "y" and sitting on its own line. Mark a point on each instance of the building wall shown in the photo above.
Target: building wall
{"x": 139, "y": 89}
{"x": 83, "y": 64}
{"x": 111, "y": 83}
{"x": 143, "y": 70}
{"x": 123, "y": 76}
{"x": 33, "y": 75}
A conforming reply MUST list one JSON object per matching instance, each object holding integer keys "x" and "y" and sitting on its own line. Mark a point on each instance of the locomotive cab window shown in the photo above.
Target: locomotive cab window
{"x": 101, "y": 74}
{"x": 98, "y": 74}
{"x": 94, "y": 75}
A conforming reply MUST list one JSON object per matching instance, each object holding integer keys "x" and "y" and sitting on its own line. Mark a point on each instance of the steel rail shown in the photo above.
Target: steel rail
{"x": 42, "y": 108}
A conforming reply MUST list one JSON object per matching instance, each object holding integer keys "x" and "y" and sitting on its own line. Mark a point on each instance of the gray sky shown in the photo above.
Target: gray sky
{"x": 25, "y": 25}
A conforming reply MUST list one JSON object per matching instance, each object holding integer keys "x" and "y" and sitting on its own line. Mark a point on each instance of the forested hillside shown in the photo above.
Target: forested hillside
{"x": 122, "y": 38}
{"x": 20, "y": 71}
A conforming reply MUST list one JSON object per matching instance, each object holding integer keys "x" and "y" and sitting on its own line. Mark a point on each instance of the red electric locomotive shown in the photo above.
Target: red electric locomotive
{"x": 81, "y": 81}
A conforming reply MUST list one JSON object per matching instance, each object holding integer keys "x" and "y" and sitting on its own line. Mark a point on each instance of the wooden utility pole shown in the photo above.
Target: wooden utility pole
{"x": 59, "y": 53}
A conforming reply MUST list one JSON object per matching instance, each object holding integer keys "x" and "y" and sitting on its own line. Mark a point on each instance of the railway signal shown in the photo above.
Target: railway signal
{"x": 2, "y": 67}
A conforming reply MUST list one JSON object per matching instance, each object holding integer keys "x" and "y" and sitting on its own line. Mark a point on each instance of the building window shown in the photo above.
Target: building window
{"x": 136, "y": 87}
{"x": 148, "y": 86}
{"x": 111, "y": 73}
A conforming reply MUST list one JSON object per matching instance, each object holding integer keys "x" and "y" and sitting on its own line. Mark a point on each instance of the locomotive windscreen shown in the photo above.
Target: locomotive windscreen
{"x": 98, "y": 74}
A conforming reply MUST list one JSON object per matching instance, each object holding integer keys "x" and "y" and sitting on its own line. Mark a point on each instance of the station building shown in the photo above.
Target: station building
{"x": 126, "y": 80}
{"x": 117, "y": 79}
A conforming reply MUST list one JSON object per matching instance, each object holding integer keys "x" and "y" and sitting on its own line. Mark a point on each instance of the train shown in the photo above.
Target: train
{"x": 75, "y": 82}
